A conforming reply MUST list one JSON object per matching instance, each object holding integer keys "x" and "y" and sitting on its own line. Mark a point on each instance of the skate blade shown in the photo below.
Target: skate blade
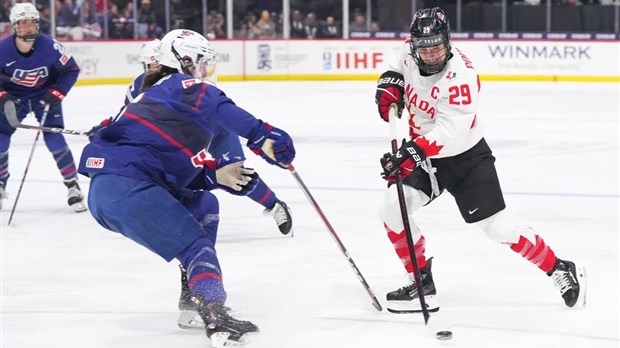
{"x": 413, "y": 306}
{"x": 190, "y": 320}
{"x": 582, "y": 278}
{"x": 78, "y": 207}
{"x": 220, "y": 339}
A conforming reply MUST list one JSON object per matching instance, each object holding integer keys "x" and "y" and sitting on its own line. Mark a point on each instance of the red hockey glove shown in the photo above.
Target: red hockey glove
{"x": 408, "y": 157}
{"x": 390, "y": 89}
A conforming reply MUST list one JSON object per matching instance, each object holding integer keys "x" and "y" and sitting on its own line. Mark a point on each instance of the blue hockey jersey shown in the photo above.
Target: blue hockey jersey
{"x": 47, "y": 66}
{"x": 162, "y": 136}
{"x": 134, "y": 89}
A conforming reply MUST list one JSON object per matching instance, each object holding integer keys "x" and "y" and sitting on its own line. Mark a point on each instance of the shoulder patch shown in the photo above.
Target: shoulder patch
{"x": 188, "y": 83}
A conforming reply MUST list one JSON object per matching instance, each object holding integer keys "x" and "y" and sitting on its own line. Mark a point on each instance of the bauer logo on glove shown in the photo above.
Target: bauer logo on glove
{"x": 407, "y": 158}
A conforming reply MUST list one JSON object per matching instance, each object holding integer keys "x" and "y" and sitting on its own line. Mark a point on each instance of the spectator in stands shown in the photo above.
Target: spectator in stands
{"x": 117, "y": 24}
{"x": 45, "y": 24}
{"x": 265, "y": 28}
{"x": 374, "y": 27}
{"x": 5, "y": 9}
{"x": 187, "y": 14}
{"x": 297, "y": 25}
{"x": 68, "y": 20}
{"x": 311, "y": 26}
{"x": 359, "y": 24}
{"x": 215, "y": 25}
{"x": 91, "y": 29}
{"x": 247, "y": 26}
{"x": 128, "y": 14}
{"x": 147, "y": 22}
{"x": 330, "y": 30}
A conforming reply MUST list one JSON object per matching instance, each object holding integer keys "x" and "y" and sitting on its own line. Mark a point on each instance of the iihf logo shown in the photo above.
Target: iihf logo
{"x": 264, "y": 57}
{"x": 450, "y": 75}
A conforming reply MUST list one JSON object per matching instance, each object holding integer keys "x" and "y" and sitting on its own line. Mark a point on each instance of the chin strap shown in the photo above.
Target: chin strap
{"x": 28, "y": 38}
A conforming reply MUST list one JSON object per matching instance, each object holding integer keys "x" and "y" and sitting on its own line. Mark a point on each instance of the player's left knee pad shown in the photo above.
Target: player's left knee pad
{"x": 389, "y": 211}
{"x": 503, "y": 227}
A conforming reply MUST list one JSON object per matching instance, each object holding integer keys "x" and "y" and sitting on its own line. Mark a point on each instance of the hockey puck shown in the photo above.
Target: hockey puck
{"x": 444, "y": 335}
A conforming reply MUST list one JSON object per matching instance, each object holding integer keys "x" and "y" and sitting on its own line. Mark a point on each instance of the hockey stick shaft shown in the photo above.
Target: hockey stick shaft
{"x": 11, "y": 116}
{"x": 331, "y": 230}
{"x": 403, "y": 212}
{"x": 34, "y": 146}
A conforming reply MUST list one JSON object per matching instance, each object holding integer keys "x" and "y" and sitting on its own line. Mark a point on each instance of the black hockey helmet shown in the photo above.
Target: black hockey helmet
{"x": 429, "y": 27}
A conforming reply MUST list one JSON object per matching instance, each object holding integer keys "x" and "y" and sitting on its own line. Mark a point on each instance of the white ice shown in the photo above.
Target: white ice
{"x": 67, "y": 282}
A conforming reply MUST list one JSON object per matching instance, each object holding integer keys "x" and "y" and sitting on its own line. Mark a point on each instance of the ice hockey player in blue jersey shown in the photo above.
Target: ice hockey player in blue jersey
{"x": 225, "y": 144}
{"x": 36, "y": 71}
{"x": 151, "y": 173}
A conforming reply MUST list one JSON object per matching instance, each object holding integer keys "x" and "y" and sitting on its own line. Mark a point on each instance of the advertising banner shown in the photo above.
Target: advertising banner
{"x": 238, "y": 60}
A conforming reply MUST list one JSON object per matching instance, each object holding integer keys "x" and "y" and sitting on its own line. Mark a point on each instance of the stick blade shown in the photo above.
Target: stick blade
{"x": 10, "y": 112}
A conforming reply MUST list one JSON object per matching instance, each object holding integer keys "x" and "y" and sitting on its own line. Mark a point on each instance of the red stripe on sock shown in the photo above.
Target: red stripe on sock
{"x": 68, "y": 170}
{"x": 399, "y": 241}
{"x": 539, "y": 254}
{"x": 203, "y": 276}
{"x": 264, "y": 198}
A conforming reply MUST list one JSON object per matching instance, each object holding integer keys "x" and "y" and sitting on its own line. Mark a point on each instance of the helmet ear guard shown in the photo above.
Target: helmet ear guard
{"x": 429, "y": 27}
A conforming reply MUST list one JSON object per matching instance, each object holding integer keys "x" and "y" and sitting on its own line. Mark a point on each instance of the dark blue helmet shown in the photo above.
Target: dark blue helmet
{"x": 429, "y": 27}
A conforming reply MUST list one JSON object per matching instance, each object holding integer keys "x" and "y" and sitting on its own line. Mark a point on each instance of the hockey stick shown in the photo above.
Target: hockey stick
{"x": 11, "y": 117}
{"x": 344, "y": 251}
{"x": 9, "y": 108}
{"x": 403, "y": 212}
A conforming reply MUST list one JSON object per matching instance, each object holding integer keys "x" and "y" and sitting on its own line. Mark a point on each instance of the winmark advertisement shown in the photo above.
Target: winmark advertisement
{"x": 238, "y": 60}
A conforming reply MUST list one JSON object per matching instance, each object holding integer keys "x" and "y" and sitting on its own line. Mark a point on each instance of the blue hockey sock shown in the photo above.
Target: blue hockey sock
{"x": 203, "y": 270}
{"x": 62, "y": 155}
{"x": 4, "y": 158}
{"x": 263, "y": 195}
{"x": 4, "y": 167}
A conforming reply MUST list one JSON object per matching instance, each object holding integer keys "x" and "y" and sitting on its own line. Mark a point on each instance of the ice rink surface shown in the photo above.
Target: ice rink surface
{"x": 66, "y": 282}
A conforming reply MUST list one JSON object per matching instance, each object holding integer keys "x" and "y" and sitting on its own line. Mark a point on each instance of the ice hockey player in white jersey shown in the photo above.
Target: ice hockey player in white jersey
{"x": 438, "y": 85}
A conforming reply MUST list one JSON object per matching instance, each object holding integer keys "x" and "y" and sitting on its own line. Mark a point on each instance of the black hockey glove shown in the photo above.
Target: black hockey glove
{"x": 5, "y": 97}
{"x": 408, "y": 157}
{"x": 52, "y": 97}
{"x": 390, "y": 89}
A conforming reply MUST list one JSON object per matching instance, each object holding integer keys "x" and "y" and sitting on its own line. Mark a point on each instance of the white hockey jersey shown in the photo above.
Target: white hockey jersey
{"x": 442, "y": 107}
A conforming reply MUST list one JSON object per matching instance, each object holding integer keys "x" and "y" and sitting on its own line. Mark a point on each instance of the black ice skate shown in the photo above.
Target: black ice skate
{"x": 572, "y": 282}
{"x": 405, "y": 299}
{"x": 75, "y": 198}
{"x": 189, "y": 319}
{"x": 282, "y": 214}
{"x": 222, "y": 329}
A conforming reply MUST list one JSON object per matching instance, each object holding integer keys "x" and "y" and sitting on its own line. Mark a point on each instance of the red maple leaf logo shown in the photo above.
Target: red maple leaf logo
{"x": 430, "y": 149}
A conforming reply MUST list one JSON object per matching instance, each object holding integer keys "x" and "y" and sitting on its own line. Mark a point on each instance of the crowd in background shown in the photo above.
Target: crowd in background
{"x": 87, "y": 20}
